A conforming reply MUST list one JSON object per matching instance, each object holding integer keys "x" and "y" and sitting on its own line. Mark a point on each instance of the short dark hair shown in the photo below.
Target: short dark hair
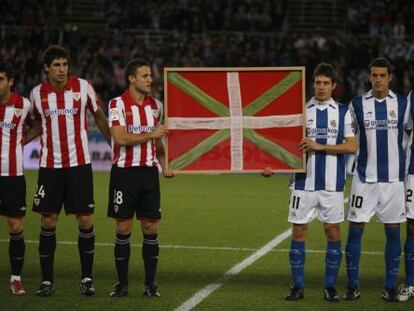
{"x": 8, "y": 69}
{"x": 53, "y": 52}
{"x": 382, "y": 63}
{"x": 132, "y": 66}
{"x": 325, "y": 69}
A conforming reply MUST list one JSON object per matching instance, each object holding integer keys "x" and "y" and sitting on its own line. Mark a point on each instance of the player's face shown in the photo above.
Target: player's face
{"x": 57, "y": 72}
{"x": 5, "y": 84}
{"x": 323, "y": 87}
{"x": 380, "y": 80}
{"x": 142, "y": 80}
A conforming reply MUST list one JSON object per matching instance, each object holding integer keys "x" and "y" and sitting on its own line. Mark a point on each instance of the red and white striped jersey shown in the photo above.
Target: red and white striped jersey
{"x": 124, "y": 111}
{"x": 64, "y": 141}
{"x": 13, "y": 114}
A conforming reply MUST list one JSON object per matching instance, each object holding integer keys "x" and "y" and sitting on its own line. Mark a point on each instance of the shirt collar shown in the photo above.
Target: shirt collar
{"x": 130, "y": 100}
{"x": 369, "y": 95}
{"x": 66, "y": 87}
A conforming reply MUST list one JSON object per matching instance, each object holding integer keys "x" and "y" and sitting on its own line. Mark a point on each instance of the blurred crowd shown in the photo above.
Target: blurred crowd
{"x": 208, "y": 33}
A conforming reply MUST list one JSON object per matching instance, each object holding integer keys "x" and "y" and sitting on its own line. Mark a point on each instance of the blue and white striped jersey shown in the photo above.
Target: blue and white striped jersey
{"x": 410, "y": 146}
{"x": 326, "y": 123}
{"x": 380, "y": 126}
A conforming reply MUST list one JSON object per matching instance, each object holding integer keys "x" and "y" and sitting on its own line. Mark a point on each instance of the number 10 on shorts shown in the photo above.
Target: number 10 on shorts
{"x": 356, "y": 201}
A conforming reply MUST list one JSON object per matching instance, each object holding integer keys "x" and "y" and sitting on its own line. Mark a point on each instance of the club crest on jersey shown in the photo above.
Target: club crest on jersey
{"x": 76, "y": 96}
{"x": 17, "y": 112}
{"x": 333, "y": 123}
{"x": 155, "y": 113}
{"x": 113, "y": 114}
{"x": 393, "y": 114}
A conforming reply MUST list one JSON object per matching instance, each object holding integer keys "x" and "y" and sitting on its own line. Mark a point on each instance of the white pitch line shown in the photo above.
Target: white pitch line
{"x": 206, "y": 291}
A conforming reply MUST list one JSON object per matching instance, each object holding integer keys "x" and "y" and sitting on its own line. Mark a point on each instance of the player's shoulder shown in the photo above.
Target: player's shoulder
{"x": 117, "y": 102}
{"x": 36, "y": 89}
{"x": 155, "y": 101}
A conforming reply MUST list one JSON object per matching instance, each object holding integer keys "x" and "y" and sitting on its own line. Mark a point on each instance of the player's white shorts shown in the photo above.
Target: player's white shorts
{"x": 329, "y": 204}
{"x": 384, "y": 199}
{"x": 409, "y": 196}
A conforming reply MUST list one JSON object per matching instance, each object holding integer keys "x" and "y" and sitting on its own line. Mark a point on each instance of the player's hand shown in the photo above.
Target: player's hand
{"x": 159, "y": 131}
{"x": 308, "y": 144}
{"x": 267, "y": 171}
{"x": 168, "y": 173}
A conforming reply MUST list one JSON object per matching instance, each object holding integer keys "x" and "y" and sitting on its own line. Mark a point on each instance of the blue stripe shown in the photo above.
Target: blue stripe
{"x": 382, "y": 141}
{"x": 340, "y": 158}
{"x": 402, "y": 107}
{"x": 411, "y": 165}
{"x": 300, "y": 179}
{"x": 363, "y": 154}
{"x": 320, "y": 157}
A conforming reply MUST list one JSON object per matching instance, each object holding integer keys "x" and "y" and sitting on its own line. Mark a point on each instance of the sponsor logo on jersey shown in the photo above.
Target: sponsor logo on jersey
{"x": 9, "y": 126}
{"x": 310, "y": 122}
{"x": 380, "y": 125}
{"x": 140, "y": 128}
{"x": 60, "y": 112}
{"x": 113, "y": 114}
{"x": 76, "y": 96}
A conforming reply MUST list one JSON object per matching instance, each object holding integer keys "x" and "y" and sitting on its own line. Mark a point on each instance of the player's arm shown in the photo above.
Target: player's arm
{"x": 349, "y": 145}
{"x": 34, "y": 130}
{"x": 121, "y": 136}
{"x": 102, "y": 124}
{"x": 159, "y": 146}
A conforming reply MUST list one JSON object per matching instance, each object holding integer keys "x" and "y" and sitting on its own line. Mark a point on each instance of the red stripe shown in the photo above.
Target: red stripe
{"x": 13, "y": 138}
{"x": 129, "y": 150}
{"x": 2, "y": 114}
{"x": 49, "y": 145}
{"x": 143, "y": 122}
{"x": 63, "y": 133}
{"x": 155, "y": 120}
{"x": 80, "y": 153}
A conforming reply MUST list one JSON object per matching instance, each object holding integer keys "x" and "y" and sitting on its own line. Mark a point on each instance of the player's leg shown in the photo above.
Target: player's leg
{"x": 79, "y": 201}
{"x": 47, "y": 248}
{"x": 150, "y": 253}
{"x": 122, "y": 204}
{"x": 331, "y": 213}
{"x": 362, "y": 206}
{"x": 13, "y": 206}
{"x": 149, "y": 214}
{"x": 391, "y": 212}
{"x": 301, "y": 207}
{"x": 16, "y": 254}
{"x": 407, "y": 289}
{"x": 48, "y": 201}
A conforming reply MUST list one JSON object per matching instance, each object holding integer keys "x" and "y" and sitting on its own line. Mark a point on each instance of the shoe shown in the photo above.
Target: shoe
{"x": 46, "y": 289}
{"x": 86, "y": 287}
{"x": 405, "y": 292}
{"x": 16, "y": 288}
{"x": 331, "y": 294}
{"x": 390, "y": 294}
{"x": 295, "y": 294}
{"x": 351, "y": 294}
{"x": 120, "y": 290}
{"x": 151, "y": 291}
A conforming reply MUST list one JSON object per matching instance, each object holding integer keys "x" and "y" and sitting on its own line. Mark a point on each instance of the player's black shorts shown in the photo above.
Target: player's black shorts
{"x": 12, "y": 196}
{"x": 134, "y": 190}
{"x": 71, "y": 187}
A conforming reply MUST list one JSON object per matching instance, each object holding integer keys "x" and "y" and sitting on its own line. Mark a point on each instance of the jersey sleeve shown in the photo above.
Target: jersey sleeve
{"x": 92, "y": 99}
{"x": 33, "y": 112}
{"x": 348, "y": 127}
{"x": 116, "y": 113}
{"x": 160, "y": 111}
{"x": 409, "y": 112}
{"x": 354, "y": 122}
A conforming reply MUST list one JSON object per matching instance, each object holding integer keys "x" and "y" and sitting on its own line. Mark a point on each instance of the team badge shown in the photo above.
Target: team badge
{"x": 113, "y": 114}
{"x": 76, "y": 96}
{"x": 155, "y": 113}
{"x": 393, "y": 114}
{"x": 17, "y": 112}
{"x": 333, "y": 123}
{"x": 36, "y": 202}
{"x": 116, "y": 208}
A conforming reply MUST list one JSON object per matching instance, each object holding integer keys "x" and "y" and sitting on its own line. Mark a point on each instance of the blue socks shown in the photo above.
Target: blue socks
{"x": 409, "y": 262}
{"x": 353, "y": 254}
{"x": 392, "y": 256}
{"x": 332, "y": 262}
{"x": 297, "y": 263}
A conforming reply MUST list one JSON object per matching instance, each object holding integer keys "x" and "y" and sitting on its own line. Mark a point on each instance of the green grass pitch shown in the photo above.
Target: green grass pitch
{"x": 210, "y": 223}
